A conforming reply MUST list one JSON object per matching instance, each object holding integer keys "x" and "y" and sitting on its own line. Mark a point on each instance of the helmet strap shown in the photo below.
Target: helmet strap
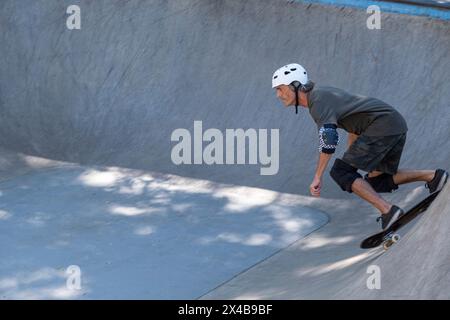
{"x": 296, "y": 88}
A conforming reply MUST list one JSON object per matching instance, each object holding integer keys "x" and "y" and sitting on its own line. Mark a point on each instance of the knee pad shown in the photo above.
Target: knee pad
{"x": 382, "y": 183}
{"x": 344, "y": 174}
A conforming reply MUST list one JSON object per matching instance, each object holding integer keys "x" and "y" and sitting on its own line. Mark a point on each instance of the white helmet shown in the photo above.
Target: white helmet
{"x": 288, "y": 74}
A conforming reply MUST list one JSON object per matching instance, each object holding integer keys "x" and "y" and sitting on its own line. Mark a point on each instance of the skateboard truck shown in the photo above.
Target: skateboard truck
{"x": 390, "y": 239}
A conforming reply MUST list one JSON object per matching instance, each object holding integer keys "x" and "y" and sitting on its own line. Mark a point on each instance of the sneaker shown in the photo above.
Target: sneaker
{"x": 438, "y": 182}
{"x": 389, "y": 218}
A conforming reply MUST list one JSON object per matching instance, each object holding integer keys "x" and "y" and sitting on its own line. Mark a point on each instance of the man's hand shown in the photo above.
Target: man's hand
{"x": 315, "y": 186}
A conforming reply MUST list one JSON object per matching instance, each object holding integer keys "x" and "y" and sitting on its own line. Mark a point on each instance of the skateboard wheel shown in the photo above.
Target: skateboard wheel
{"x": 395, "y": 238}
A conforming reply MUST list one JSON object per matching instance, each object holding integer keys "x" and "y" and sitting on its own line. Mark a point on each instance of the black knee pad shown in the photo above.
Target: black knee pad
{"x": 344, "y": 174}
{"x": 382, "y": 183}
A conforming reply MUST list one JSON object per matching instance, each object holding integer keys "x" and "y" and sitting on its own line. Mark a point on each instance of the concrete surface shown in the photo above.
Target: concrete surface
{"x": 111, "y": 94}
{"x": 418, "y": 268}
{"x": 137, "y": 235}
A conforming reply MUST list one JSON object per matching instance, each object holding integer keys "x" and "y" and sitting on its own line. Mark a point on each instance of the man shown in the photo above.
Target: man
{"x": 377, "y": 135}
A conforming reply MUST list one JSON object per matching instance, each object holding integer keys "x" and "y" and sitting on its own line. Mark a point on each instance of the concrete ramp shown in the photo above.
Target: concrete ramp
{"x": 86, "y": 119}
{"x": 418, "y": 267}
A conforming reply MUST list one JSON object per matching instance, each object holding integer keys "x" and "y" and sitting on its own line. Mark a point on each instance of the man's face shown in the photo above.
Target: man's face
{"x": 286, "y": 95}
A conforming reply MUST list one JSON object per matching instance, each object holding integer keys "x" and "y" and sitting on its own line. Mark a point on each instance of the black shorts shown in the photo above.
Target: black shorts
{"x": 370, "y": 153}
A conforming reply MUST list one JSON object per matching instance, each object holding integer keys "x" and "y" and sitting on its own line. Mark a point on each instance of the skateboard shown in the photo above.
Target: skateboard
{"x": 389, "y": 236}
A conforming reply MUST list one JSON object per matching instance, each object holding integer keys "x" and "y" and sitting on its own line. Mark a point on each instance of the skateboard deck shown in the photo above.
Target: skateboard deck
{"x": 388, "y": 237}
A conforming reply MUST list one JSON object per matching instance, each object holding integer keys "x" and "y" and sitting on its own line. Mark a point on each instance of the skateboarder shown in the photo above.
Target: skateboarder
{"x": 377, "y": 135}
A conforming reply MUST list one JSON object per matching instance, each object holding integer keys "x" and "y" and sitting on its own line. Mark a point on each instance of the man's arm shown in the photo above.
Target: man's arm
{"x": 316, "y": 184}
{"x": 329, "y": 140}
{"x": 324, "y": 158}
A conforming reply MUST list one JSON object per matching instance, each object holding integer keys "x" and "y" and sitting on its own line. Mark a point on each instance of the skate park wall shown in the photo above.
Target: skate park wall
{"x": 113, "y": 92}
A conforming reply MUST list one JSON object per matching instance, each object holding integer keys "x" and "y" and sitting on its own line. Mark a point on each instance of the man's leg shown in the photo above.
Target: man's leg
{"x": 348, "y": 178}
{"x": 366, "y": 192}
{"x": 382, "y": 153}
{"x": 407, "y": 176}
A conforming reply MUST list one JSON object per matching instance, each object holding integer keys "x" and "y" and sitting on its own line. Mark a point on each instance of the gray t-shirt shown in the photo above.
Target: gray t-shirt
{"x": 354, "y": 113}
